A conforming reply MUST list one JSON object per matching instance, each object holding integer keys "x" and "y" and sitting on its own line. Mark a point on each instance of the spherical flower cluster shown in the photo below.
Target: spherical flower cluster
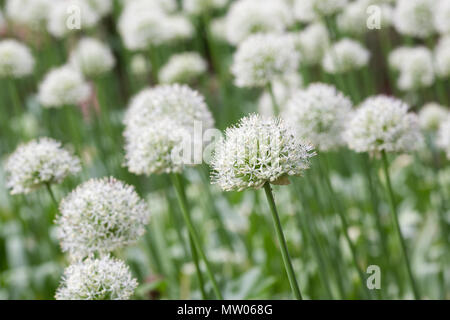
{"x": 311, "y": 10}
{"x": 320, "y": 114}
{"x": 140, "y": 65}
{"x": 268, "y": 16}
{"x": 312, "y": 43}
{"x": 262, "y": 58}
{"x": 100, "y": 216}
{"x": 218, "y": 29}
{"x": 442, "y": 16}
{"x": 442, "y": 57}
{"x": 383, "y": 123}
{"x": 92, "y": 57}
{"x": 258, "y": 151}
{"x": 63, "y": 86}
{"x": 16, "y": 59}
{"x": 182, "y": 68}
{"x": 196, "y": 7}
{"x": 443, "y": 136}
{"x": 344, "y": 56}
{"x": 431, "y": 115}
{"x": 39, "y": 162}
{"x": 31, "y": 13}
{"x": 156, "y": 122}
{"x": 97, "y": 279}
{"x": 414, "y": 17}
{"x": 101, "y": 7}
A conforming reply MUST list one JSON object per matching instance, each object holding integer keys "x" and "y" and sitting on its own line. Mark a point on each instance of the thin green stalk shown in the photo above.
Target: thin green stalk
{"x": 397, "y": 225}
{"x": 50, "y": 192}
{"x": 282, "y": 241}
{"x": 276, "y": 107}
{"x": 201, "y": 282}
{"x": 182, "y": 201}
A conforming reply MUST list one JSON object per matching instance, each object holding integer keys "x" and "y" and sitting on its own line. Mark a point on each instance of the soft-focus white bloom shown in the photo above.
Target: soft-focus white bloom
{"x": 182, "y": 68}
{"x": 63, "y": 86}
{"x": 443, "y": 137}
{"x": 312, "y": 43}
{"x": 32, "y": 13}
{"x": 383, "y": 123}
{"x": 344, "y": 56}
{"x": 16, "y": 59}
{"x": 442, "y": 16}
{"x": 200, "y": 6}
{"x": 414, "y": 17}
{"x": 246, "y": 17}
{"x": 310, "y": 10}
{"x": 442, "y": 57}
{"x": 256, "y": 151}
{"x": 262, "y": 58}
{"x": 168, "y": 6}
{"x": 97, "y": 279}
{"x": 92, "y": 57}
{"x": 320, "y": 114}
{"x": 431, "y": 115}
{"x": 140, "y": 65}
{"x": 100, "y": 216}
{"x": 39, "y": 162}
{"x": 101, "y": 7}
{"x": 218, "y": 29}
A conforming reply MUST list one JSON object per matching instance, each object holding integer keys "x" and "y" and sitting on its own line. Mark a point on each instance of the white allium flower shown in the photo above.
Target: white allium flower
{"x": 443, "y": 137}
{"x": 97, "y": 279}
{"x": 168, "y": 6}
{"x": 442, "y": 16}
{"x": 262, "y": 58}
{"x": 196, "y": 7}
{"x": 100, "y": 216}
{"x": 246, "y": 17}
{"x": 182, "y": 68}
{"x": 383, "y": 123}
{"x": 32, "y": 13}
{"x": 63, "y": 86}
{"x": 414, "y": 17}
{"x": 16, "y": 59}
{"x": 140, "y": 65}
{"x": 312, "y": 43}
{"x": 178, "y": 27}
{"x": 38, "y": 162}
{"x": 320, "y": 114}
{"x": 442, "y": 57}
{"x": 102, "y": 7}
{"x": 92, "y": 57}
{"x": 311, "y": 10}
{"x": 218, "y": 29}
{"x": 431, "y": 115}
{"x": 344, "y": 56}
{"x": 256, "y": 151}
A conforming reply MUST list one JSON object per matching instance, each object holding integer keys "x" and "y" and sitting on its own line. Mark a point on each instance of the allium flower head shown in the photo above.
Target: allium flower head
{"x": 414, "y": 17}
{"x": 442, "y": 16}
{"x": 140, "y": 65}
{"x": 197, "y": 7}
{"x": 442, "y": 57}
{"x": 63, "y": 86}
{"x": 383, "y": 123}
{"x": 319, "y": 114}
{"x": 16, "y": 59}
{"x": 31, "y": 13}
{"x": 97, "y": 279}
{"x": 101, "y": 7}
{"x": 431, "y": 115}
{"x": 100, "y": 216}
{"x": 312, "y": 10}
{"x": 312, "y": 43}
{"x": 262, "y": 58}
{"x": 443, "y": 137}
{"x": 182, "y": 68}
{"x": 247, "y": 17}
{"x": 256, "y": 151}
{"x": 39, "y": 162}
{"x": 344, "y": 56}
{"x": 92, "y": 57}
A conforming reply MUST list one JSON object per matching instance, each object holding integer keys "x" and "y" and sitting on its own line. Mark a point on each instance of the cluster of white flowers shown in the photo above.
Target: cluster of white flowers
{"x": 443, "y": 136}
{"x": 182, "y": 68}
{"x": 155, "y": 123}
{"x": 383, "y": 123}
{"x": 39, "y": 162}
{"x": 312, "y": 10}
{"x": 320, "y": 114}
{"x": 140, "y": 65}
{"x": 312, "y": 43}
{"x": 63, "y": 86}
{"x": 442, "y": 57}
{"x": 100, "y": 216}
{"x": 268, "y": 16}
{"x": 16, "y": 59}
{"x": 344, "y": 56}
{"x": 197, "y": 7}
{"x": 414, "y": 17}
{"x": 256, "y": 151}
{"x": 442, "y": 16}
{"x": 92, "y": 57}
{"x": 262, "y": 58}
{"x": 97, "y": 279}
{"x": 31, "y": 13}
{"x": 431, "y": 116}
{"x": 415, "y": 66}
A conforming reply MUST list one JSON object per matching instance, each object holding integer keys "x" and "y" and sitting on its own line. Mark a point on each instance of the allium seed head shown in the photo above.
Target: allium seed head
{"x": 344, "y": 56}
{"x": 16, "y": 59}
{"x": 414, "y": 17}
{"x": 182, "y": 68}
{"x": 443, "y": 136}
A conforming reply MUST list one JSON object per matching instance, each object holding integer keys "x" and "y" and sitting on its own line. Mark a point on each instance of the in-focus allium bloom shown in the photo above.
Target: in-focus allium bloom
{"x": 16, "y": 59}
{"x": 442, "y": 57}
{"x": 97, "y": 279}
{"x": 63, "y": 86}
{"x": 100, "y": 216}
{"x": 320, "y": 114}
{"x": 344, "y": 56}
{"x": 431, "y": 115}
{"x": 312, "y": 43}
{"x": 182, "y": 68}
{"x": 414, "y": 17}
{"x": 246, "y": 17}
{"x": 443, "y": 136}
{"x": 383, "y": 123}
{"x": 256, "y": 151}
{"x": 311, "y": 10}
{"x": 31, "y": 13}
{"x": 442, "y": 16}
{"x": 262, "y": 58}
{"x": 92, "y": 57}
{"x": 39, "y": 162}
{"x": 196, "y": 7}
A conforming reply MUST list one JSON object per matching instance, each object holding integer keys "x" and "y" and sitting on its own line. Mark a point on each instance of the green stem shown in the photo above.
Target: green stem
{"x": 284, "y": 251}
{"x": 197, "y": 268}
{"x": 179, "y": 188}
{"x": 397, "y": 224}
{"x": 276, "y": 107}
{"x": 50, "y": 192}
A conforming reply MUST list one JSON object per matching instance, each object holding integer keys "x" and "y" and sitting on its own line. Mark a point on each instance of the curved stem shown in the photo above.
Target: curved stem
{"x": 52, "y": 196}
